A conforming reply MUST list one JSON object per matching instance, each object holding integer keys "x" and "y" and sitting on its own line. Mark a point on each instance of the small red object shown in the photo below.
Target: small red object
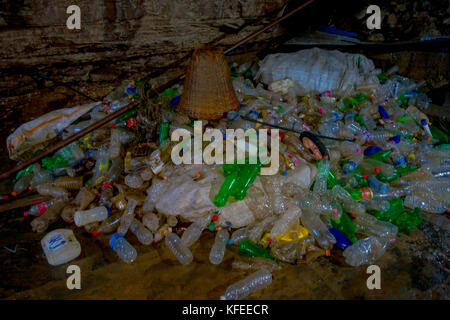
{"x": 376, "y": 170}
{"x": 281, "y": 135}
{"x": 270, "y": 239}
{"x": 5, "y": 197}
{"x": 95, "y": 233}
{"x": 114, "y": 126}
{"x": 106, "y": 184}
{"x": 364, "y": 176}
{"x": 98, "y": 195}
{"x": 30, "y": 188}
{"x": 198, "y": 175}
{"x": 215, "y": 218}
{"x": 14, "y": 194}
{"x": 401, "y": 128}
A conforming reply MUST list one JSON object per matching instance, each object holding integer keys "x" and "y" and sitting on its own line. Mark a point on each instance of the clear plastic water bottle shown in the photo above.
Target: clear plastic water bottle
{"x": 194, "y": 231}
{"x": 319, "y": 230}
{"x": 218, "y": 249}
{"x": 239, "y": 235}
{"x": 85, "y": 217}
{"x": 124, "y": 250}
{"x": 179, "y": 250}
{"x": 365, "y": 251}
{"x": 141, "y": 232}
{"x": 242, "y": 289}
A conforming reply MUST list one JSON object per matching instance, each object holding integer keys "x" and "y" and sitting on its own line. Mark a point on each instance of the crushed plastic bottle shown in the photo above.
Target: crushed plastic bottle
{"x": 253, "y": 283}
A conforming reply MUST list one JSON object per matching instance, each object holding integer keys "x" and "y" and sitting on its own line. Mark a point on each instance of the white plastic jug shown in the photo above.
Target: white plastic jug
{"x": 60, "y": 246}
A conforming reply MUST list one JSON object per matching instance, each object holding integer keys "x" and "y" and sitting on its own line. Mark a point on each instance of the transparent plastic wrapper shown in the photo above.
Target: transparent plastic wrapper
{"x": 38, "y": 133}
{"x": 365, "y": 251}
{"x": 307, "y": 68}
{"x": 253, "y": 283}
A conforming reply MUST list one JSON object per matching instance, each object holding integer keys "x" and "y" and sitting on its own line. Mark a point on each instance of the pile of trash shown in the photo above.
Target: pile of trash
{"x": 381, "y": 165}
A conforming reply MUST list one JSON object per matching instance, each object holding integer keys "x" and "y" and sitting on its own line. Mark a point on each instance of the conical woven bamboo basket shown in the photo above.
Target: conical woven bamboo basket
{"x": 208, "y": 91}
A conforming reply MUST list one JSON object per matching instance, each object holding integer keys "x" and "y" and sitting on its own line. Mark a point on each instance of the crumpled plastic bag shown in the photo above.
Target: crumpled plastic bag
{"x": 30, "y": 136}
{"x": 317, "y": 70}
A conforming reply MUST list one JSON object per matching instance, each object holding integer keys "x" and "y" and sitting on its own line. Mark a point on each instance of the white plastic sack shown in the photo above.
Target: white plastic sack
{"x": 317, "y": 70}
{"x": 29, "y": 136}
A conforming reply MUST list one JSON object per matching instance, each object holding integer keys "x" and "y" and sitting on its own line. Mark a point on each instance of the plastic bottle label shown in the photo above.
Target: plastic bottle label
{"x": 56, "y": 241}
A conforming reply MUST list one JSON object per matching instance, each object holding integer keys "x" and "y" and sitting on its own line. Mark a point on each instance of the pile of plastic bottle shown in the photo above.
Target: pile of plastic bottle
{"x": 361, "y": 194}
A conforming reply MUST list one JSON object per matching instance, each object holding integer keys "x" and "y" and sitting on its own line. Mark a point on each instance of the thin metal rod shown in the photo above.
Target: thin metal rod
{"x": 124, "y": 109}
{"x": 293, "y": 130}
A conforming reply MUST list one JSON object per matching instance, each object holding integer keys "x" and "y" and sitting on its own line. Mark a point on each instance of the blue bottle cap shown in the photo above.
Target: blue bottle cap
{"x": 254, "y": 113}
{"x": 113, "y": 238}
{"x": 341, "y": 240}
{"x": 348, "y": 115}
{"x": 383, "y": 112}
{"x": 371, "y": 150}
{"x": 400, "y": 161}
{"x": 229, "y": 242}
{"x": 424, "y": 122}
{"x": 396, "y": 139}
{"x": 109, "y": 211}
{"x": 175, "y": 100}
{"x": 89, "y": 153}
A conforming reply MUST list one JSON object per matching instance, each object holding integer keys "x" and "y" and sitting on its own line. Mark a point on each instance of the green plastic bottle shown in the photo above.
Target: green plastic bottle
{"x": 381, "y": 155}
{"x": 409, "y": 168}
{"x": 438, "y": 134}
{"x": 128, "y": 114}
{"x": 247, "y": 175}
{"x": 221, "y": 198}
{"x": 163, "y": 132}
{"x": 384, "y": 178}
{"x": 408, "y": 220}
{"x": 346, "y": 226}
{"x": 395, "y": 209}
{"x": 358, "y": 118}
{"x": 250, "y": 249}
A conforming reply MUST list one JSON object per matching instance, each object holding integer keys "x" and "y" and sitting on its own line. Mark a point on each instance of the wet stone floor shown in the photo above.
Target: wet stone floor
{"x": 415, "y": 267}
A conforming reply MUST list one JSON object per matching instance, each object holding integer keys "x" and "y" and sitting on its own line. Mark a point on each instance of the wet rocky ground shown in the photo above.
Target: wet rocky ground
{"x": 416, "y": 266}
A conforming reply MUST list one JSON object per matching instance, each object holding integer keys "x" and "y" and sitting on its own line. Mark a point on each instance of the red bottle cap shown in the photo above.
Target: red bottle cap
{"x": 95, "y": 233}
{"x": 376, "y": 170}
{"x": 215, "y": 217}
